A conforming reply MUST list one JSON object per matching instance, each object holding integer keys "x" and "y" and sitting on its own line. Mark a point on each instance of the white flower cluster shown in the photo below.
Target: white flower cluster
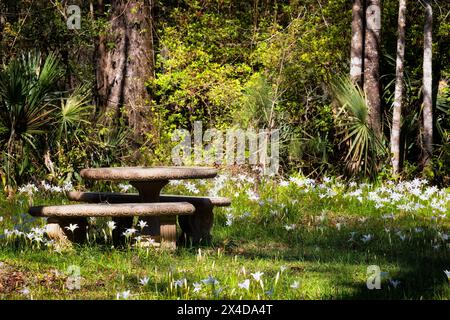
{"x": 408, "y": 196}
{"x": 31, "y": 188}
{"x": 219, "y": 183}
{"x": 36, "y": 235}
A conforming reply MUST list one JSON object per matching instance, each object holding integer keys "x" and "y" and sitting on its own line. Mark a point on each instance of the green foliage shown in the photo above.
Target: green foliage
{"x": 38, "y": 122}
{"x": 26, "y": 103}
{"x": 73, "y": 112}
{"x": 442, "y": 155}
{"x": 265, "y": 67}
{"x": 26, "y": 93}
{"x": 364, "y": 148}
{"x": 254, "y": 64}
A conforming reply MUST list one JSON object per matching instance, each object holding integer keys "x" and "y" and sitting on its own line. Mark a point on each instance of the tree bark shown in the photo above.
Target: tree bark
{"x": 3, "y": 16}
{"x": 428, "y": 85}
{"x": 399, "y": 89}
{"x": 372, "y": 64}
{"x": 125, "y": 62}
{"x": 357, "y": 45}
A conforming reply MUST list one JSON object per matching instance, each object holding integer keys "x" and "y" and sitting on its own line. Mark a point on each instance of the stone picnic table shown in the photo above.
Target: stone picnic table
{"x": 159, "y": 211}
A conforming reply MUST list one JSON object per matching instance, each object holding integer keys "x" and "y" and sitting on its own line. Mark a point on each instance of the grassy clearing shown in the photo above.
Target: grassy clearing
{"x": 311, "y": 240}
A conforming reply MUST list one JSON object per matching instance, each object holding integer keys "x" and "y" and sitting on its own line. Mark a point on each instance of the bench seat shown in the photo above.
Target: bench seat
{"x": 113, "y": 197}
{"x": 196, "y": 228}
{"x": 113, "y": 210}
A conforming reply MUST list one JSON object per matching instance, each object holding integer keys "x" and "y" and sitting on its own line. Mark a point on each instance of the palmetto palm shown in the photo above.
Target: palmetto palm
{"x": 27, "y": 94}
{"x": 72, "y": 112}
{"x": 364, "y": 148}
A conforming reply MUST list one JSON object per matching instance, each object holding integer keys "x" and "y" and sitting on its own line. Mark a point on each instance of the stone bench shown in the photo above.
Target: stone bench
{"x": 195, "y": 228}
{"x": 62, "y": 216}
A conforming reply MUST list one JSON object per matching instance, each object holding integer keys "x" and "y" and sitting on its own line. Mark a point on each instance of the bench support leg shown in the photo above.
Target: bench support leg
{"x": 168, "y": 231}
{"x": 196, "y": 229}
{"x": 57, "y": 231}
{"x": 149, "y": 192}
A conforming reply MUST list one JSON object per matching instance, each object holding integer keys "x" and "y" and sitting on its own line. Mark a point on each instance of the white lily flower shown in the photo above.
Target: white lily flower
{"x": 366, "y": 238}
{"x": 289, "y": 227}
{"x": 447, "y": 273}
{"x": 129, "y": 232}
{"x": 111, "y": 225}
{"x": 191, "y": 188}
{"x": 72, "y": 227}
{"x": 244, "y": 284}
{"x": 179, "y": 283}
{"x": 230, "y": 219}
{"x": 401, "y": 235}
{"x": 25, "y": 291}
{"x": 56, "y": 189}
{"x": 210, "y": 280}
{"x": 252, "y": 195}
{"x": 257, "y": 275}
{"x": 142, "y": 224}
{"x": 284, "y": 183}
{"x": 124, "y": 187}
{"x": 388, "y": 216}
{"x": 197, "y": 287}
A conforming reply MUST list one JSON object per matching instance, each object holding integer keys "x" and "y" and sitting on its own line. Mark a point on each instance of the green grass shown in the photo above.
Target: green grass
{"x": 323, "y": 252}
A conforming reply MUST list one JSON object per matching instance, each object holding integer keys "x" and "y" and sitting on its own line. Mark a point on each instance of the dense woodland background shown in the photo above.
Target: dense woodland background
{"x": 112, "y": 92}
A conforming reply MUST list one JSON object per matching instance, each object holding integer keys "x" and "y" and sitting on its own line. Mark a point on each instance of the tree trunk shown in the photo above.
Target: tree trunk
{"x": 428, "y": 85}
{"x": 399, "y": 89}
{"x": 3, "y": 16}
{"x": 372, "y": 64}
{"x": 357, "y": 45}
{"x": 125, "y": 62}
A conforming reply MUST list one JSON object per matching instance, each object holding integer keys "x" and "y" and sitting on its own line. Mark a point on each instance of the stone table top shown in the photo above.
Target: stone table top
{"x": 148, "y": 173}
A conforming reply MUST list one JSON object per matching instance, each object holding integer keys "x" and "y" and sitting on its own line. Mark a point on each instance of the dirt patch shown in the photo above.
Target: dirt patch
{"x": 14, "y": 279}
{"x": 11, "y": 279}
{"x": 52, "y": 279}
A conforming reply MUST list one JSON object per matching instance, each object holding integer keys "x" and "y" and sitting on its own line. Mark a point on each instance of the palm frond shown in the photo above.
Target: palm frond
{"x": 73, "y": 110}
{"x": 27, "y": 95}
{"x": 364, "y": 148}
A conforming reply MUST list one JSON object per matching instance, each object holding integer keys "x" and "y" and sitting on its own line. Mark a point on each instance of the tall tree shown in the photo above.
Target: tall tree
{"x": 126, "y": 61}
{"x": 2, "y": 25}
{"x": 428, "y": 84}
{"x": 399, "y": 89}
{"x": 357, "y": 45}
{"x": 372, "y": 64}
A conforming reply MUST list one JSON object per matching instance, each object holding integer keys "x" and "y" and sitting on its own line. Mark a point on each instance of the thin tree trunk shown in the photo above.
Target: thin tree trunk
{"x": 3, "y": 16}
{"x": 372, "y": 64}
{"x": 428, "y": 85}
{"x": 357, "y": 45}
{"x": 126, "y": 62}
{"x": 399, "y": 89}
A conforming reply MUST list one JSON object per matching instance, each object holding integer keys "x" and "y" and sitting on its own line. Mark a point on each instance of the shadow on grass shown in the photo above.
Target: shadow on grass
{"x": 414, "y": 261}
